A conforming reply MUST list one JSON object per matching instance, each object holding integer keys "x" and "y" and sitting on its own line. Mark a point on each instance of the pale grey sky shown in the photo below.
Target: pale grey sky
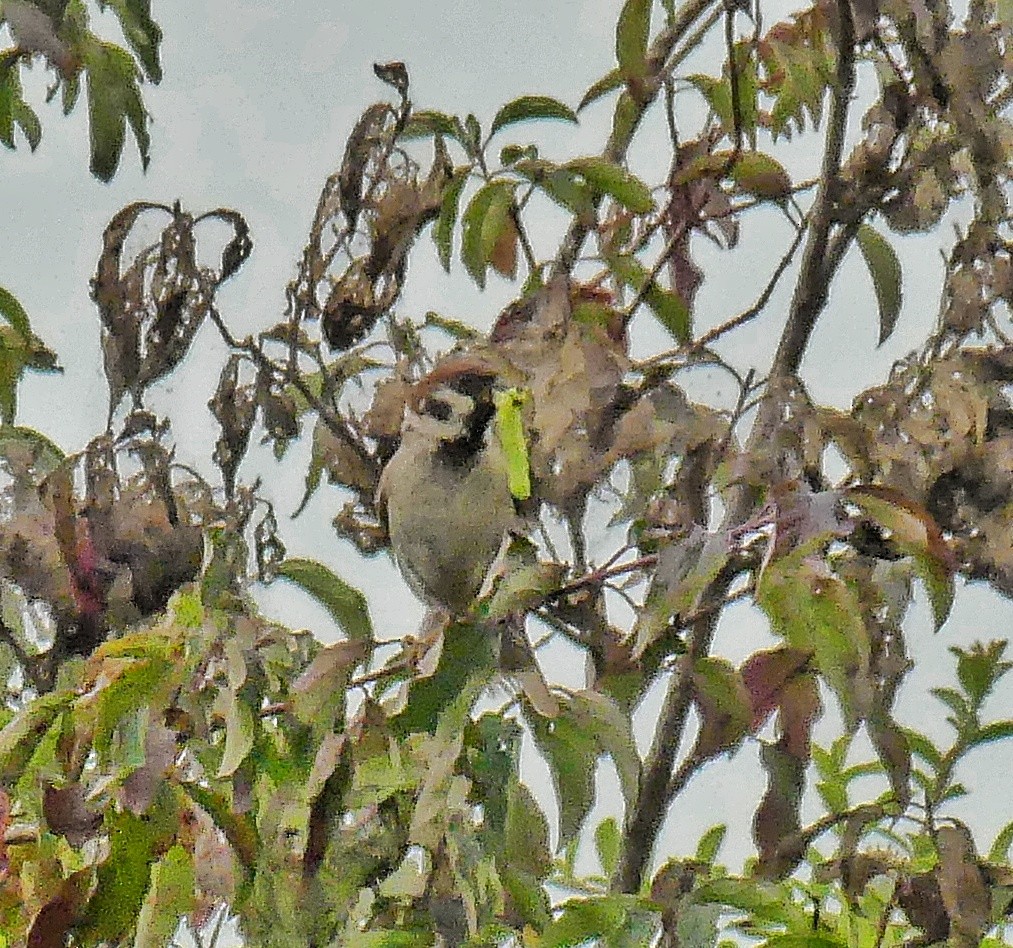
{"x": 257, "y": 99}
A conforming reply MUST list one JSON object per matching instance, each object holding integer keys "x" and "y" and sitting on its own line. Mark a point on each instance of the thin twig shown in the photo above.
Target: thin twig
{"x": 761, "y": 302}
{"x": 618, "y": 144}
{"x": 335, "y": 424}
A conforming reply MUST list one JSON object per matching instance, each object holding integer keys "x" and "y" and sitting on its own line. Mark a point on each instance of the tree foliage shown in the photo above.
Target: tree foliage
{"x": 168, "y": 751}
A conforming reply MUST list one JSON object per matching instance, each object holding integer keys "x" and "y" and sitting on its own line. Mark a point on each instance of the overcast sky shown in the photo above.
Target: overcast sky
{"x": 257, "y": 99}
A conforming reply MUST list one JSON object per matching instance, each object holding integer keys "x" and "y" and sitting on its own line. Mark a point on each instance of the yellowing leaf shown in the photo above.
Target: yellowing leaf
{"x": 510, "y": 431}
{"x": 485, "y": 217}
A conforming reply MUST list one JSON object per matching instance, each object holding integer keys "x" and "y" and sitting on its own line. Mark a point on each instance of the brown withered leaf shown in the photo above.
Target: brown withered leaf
{"x": 766, "y": 674}
{"x": 962, "y": 886}
{"x": 152, "y": 310}
{"x": 140, "y": 786}
{"x": 383, "y": 420}
{"x": 234, "y": 407}
{"x": 368, "y": 134}
{"x": 800, "y": 709}
{"x": 343, "y": 464}
{"x": 920, "y": 898}
{"x": 68, "y": 815}
{"x": 55, "y": 921}
{"x": 776, "y": 821}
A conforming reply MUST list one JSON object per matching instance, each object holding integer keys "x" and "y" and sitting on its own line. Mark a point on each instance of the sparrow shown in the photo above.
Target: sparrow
{"x": 445, "y": 491}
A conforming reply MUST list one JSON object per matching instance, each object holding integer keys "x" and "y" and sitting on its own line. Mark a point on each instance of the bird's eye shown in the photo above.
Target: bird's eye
{"x": 439, "y": 410}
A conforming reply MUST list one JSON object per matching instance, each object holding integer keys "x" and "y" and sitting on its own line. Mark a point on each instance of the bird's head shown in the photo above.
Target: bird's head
{"x": 453, "y": 406}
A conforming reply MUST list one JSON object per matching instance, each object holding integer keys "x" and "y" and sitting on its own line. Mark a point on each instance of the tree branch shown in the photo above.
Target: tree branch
{"x": 817, "y": 269}
{"x": 814, "y": 278}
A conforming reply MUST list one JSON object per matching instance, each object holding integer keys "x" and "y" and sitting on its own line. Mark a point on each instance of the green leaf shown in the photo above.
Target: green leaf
{"x": 589, "y": 725}
{"x": 443, "y": 230}
{"x": 710, "y": 843}
{"x": 114, "y": 99}
{"x": 608, "y": 843}
{"x": 526, "y": 834}
{"x": 71, "y": 89}
{"x": 408, "y": 881}
{"x": 584, "y": 919}
{"x": 762, "y": 176}
{"x": 804, "y": 941}
{"x": 723, "y": 705}
{"x": 238, "y": 828}
{"x": 46, "y": 455}
{"x": 134, "y": 845}
{"x": 667, "y": 306}
{"x": 528, "y": 896}
{"x": 632, "y": 32}
{"x": 529, "y": 107}
{"x": 511, "y": 154}
{"x": 996, "y": 731}
{"x": 467, "y": 650}
{"x": 718, "y": 95}
{"x": 13, "y": 312}
{"x": 566, "y": 188}
{"x": 14, "y": 110}
{"x": 22, "y": 734}
{"x": 979, "y": 669}
{"x": 426, "y": 123}
{"x": 924, "y": 748}
{"x": 28, "y": 121}
{"x": 347, "y": 606}
{"x": 625, "y": 118}
{"x": 611, "y": 81}
{"x": 387, "y": 939}
{"x": 614, "y": 180}
{"x": 999, "y": 853}
{"x": 818, "y": 613}
{"x": 454, "y": 328}
{"x": 141, "y": 32}
{"x": 483, "y": 221}
{"x": 171, "y": 895}
{"x": 510, "y": 431}
{"x": 884, "y": 268}
{"x": 571, "y": 754}
{"x": 763, "y": 900}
